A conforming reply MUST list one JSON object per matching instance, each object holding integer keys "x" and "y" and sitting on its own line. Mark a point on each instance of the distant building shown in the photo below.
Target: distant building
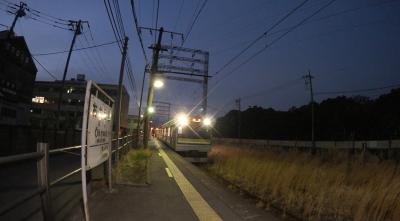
{"x": 132, "y": 124}
{"x": 44, "y": 109}
{"x": 17, "y": 76}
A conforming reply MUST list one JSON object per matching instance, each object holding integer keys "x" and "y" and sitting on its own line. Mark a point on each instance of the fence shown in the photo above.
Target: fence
{"x": 360, "y": 144}
{"x": 41, "y": 156}
{"x": 384, "y": 149}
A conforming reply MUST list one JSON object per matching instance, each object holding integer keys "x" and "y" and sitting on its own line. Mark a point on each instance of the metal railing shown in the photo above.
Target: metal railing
{"x": 42, "y": 161}
{"x": 41, "y": 156}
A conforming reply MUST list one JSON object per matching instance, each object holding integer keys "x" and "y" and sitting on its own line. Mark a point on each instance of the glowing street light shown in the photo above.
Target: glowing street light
{"x": 207, "y": 122}
{"x": 151, "y": 110}
{"x": 158, "y": 83}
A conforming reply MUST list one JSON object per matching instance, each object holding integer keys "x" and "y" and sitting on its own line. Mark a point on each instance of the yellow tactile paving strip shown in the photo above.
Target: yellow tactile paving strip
{"x": 200, "y": 207}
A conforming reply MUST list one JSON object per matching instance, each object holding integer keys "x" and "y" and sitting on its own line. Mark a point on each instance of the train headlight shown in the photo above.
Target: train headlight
{"x": 182, "y": 120}
{"x": 207, "y": 121}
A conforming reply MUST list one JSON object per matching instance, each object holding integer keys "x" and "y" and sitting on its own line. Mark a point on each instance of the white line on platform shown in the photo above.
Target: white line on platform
{"x": 168, "y": 172}
{"x": 200, "y": 207}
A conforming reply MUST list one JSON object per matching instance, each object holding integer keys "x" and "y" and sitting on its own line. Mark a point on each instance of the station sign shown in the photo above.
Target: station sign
{"x": 96, "y": 138}
{"x": 99, "y": 117}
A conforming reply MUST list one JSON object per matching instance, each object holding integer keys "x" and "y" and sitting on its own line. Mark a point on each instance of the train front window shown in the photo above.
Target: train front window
{"x": 194, "y": 130}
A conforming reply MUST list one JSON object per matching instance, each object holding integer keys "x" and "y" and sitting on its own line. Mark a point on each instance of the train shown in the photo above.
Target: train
{"x": 189, "y": 136}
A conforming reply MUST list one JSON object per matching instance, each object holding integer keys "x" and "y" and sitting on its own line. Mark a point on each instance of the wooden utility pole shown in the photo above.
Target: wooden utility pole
{"x": 205, "y": 84}
{"x": 308, "y": 79}
{"x": 77, "y": 31}
{"x": 239, "y": 121}
{"x": 150, "y": 94}
{"x": 139, "y": 118}
{"x": 119, "y": 95}
{"x": 19, "y": 13}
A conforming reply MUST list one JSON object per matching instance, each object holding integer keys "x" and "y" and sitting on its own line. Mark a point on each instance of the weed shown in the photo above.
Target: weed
{"x": 330, "y": 186}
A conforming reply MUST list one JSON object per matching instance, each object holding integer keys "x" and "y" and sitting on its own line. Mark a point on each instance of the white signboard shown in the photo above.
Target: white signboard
{"x": 99, "y": 126}
{"x": 96, "y": 134}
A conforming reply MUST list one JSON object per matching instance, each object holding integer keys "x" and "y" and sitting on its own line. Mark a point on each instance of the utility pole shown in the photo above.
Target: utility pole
{"x": 77, "y": 26}
{"x": 205, "y": 84}
{"x": 139, "y": 119}
{"x": 119, "y": 95}
{"x": 238, "y": 103}
{"x": 150, "y": 94}
{"x": 308, "y": 78}
{"x": 20, "y": 13}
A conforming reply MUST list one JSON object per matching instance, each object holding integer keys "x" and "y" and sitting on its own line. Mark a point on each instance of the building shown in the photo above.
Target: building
{"x": 132, "y": 124}
{"x": 17, "y": 76}
{"x": 45, "y": 106}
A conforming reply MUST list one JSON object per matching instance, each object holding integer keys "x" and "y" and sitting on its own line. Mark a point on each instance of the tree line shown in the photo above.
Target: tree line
{"x": 340, "y": 118}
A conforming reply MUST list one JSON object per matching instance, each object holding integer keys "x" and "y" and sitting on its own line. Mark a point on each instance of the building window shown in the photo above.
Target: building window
{"x": 39, "y": 100}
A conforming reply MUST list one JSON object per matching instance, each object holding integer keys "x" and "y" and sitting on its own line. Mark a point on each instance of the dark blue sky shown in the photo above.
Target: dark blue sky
{"x": 352, "y": 44}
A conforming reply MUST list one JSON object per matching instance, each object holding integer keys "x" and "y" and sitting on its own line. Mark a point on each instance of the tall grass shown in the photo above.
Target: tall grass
{"x": 132, "y": 168}
{"x": 328, "y": 187}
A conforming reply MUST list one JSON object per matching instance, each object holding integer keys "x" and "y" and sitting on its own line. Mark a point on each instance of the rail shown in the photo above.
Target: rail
{"x": 41, "y": 156}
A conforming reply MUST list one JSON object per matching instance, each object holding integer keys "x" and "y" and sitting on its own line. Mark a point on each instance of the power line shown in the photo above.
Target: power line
{"x": 44, "y": 68}
{"x": 112, "y": 22}
{"x": 138, "y": 31}
{"x": 119, "y": 31}
{"x": 276, "y": 40}
{"x": 273, "y": 89}
{"x": 194, "y": 21}
{"x": 179, "y": 14}
{"x": 48, "y": 23}
{"x": 158, "y": 11}
{"x": 261, "y": 36}
{"x": 357, "y": 90}
{"x": 76, "y": 49}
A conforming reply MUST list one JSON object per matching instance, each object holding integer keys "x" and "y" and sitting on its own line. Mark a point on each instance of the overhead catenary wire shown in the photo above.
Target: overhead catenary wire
{"x": 264, "y": 34}
{"x": 179, "y": 14}
{"x": 294, "y": 27}
{"x": 135, "y": 19}
{"x": 194, "y": 22}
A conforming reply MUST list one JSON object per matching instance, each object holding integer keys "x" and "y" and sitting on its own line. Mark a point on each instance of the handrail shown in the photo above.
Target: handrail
{"x": 42, "y": 156}
{"x": 20, "y": 157}
{"x": 21, "y": 200}
{"x": 64, "y": 149}
{"x": 65, "y": 176}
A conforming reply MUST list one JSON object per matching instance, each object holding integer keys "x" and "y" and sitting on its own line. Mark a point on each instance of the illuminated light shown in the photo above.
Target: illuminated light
{"x": 141, "y": 116}
{"x": 151, "y": 110}
{"x": 196, "y": 120}
{"x": 39, "y": 100}
{"x": 207, "y": 122}
{"x": 101, "y": 116}
{"x": 158, "y": 83}
{"x": 182, "y": 120}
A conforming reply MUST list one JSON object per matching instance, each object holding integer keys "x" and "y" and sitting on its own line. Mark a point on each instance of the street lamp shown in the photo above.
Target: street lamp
{"x": 151, "y": 110}
{"x": 158, "y": 83}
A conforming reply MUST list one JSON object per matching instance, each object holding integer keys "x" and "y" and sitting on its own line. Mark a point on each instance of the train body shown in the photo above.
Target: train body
{"x": 188, "y": 136}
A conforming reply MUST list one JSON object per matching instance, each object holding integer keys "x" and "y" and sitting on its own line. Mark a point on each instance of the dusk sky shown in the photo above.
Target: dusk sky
{"x": 352, "y": 44}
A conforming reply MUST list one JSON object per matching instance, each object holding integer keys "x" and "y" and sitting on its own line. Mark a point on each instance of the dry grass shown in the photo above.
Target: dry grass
{"x": 132, "y": 169}
{"x": 329, "y": 187}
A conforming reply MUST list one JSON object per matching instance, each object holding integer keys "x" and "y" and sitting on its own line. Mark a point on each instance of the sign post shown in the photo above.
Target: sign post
{"x": 96, "y": 136}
